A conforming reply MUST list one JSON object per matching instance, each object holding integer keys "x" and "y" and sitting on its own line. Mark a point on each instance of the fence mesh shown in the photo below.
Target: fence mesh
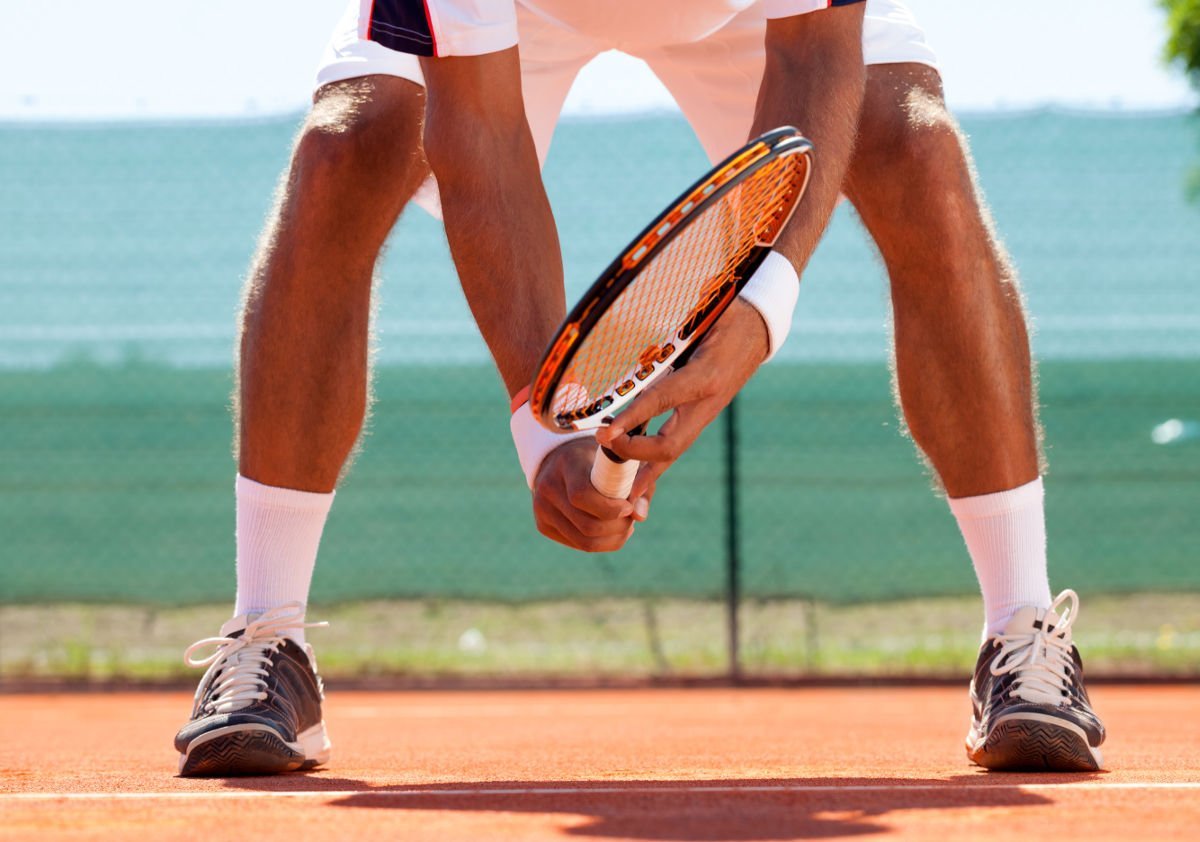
{"x": 122, "y": 249}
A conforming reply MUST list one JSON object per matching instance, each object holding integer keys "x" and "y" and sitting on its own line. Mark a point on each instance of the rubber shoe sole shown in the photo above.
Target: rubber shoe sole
{"x": 1031, "y": 745}
{"x": 241, "y": 750}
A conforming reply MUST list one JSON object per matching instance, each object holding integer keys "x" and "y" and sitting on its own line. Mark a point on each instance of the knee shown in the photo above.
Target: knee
{"x": 909, "y": 136}
{"x": 359, "y": 129}
{"x": 915, "y": 138}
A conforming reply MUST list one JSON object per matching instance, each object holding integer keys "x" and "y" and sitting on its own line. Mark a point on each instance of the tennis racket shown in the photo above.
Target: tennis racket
{"x": 654, "y": 304}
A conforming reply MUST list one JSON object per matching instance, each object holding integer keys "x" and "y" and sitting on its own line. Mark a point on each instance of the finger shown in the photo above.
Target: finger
{"x": 564, "y": 502}
{"x": 642, "y": 491}
{"x": 565, "y": 480}
{"x": 672, "y": 440}
{"x": 550, "y": 521}
{"x": 583, "y": 496}
{"x": 594, "y": 527}
{"x": 554, "y": 526}
{"x": 677, "y": 388}
{"x": 620, "y": 445}
{"x": 647, "y": 481}
{"x": 546, "y": 516}
{"x": 590, "y": 512}
{"x": 641, "y": 509}
{"x": 644, "y": 487}
{"x": 557, "y": 522}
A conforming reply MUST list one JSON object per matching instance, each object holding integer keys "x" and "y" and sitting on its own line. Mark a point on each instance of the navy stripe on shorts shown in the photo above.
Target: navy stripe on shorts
{"x": 403, "y": 26}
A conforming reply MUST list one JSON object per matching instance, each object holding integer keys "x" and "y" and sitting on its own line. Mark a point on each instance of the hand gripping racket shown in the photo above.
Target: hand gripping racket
{"x": 651, "y": 307}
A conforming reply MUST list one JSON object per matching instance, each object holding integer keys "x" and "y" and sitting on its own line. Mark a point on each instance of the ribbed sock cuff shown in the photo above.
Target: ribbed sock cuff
{"x": 999, "y": 503}
{"x": 1005, "y": 534}
{"x": 278, "y": 534}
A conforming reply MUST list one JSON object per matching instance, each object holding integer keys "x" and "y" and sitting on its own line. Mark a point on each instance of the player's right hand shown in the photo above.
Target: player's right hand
{"x": 569, "y": 510}
{"x": 694, "y": 395}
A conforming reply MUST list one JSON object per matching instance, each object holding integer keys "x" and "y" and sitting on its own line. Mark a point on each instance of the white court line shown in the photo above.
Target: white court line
{"x": 598, "y": 790}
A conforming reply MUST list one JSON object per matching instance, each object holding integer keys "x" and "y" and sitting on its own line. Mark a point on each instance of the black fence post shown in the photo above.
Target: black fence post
{"x": 733, "y": 561}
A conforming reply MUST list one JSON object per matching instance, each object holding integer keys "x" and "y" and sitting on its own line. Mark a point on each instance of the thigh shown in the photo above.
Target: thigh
{"x": 551, "y": 58}
{"x": 910, "y": 178}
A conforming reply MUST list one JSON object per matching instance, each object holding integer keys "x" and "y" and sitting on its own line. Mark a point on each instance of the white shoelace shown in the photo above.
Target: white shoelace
{"x": 1042, "y": 659}
{"x": 242, "y": 661}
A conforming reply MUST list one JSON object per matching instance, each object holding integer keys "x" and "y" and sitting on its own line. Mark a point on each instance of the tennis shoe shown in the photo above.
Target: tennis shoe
{"x": 258, "y": 707}
{"x": 1031, "y": 709}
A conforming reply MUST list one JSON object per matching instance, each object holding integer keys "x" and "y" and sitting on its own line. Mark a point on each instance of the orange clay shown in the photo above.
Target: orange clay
{"x": 650, "y": 764}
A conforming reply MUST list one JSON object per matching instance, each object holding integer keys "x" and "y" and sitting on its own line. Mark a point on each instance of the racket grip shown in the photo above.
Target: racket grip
{"x": 613, "y": 476}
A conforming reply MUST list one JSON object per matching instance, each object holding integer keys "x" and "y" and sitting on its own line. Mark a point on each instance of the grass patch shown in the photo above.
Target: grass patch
{"x": 619, "y": 639}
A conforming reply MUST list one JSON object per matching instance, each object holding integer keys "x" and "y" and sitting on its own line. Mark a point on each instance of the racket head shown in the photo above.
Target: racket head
{"x": 670, "y": 284}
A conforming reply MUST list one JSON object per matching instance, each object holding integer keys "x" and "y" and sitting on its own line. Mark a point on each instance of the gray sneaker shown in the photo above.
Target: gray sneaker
{"x": 1031, "y": 709}
{"x": 258, "y": 708}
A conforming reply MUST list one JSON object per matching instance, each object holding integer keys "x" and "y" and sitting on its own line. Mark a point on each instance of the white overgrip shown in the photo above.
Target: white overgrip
{"x": 611, "y": 477}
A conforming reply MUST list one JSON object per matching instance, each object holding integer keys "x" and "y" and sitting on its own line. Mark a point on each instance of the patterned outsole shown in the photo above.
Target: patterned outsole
{"x": 1024, "y": 745}
{"x": 242, "y": 753}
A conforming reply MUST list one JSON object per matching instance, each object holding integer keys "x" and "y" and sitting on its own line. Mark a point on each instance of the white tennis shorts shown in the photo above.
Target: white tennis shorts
{"x": 714, "y": 78}
{"x": 474, "y": 27}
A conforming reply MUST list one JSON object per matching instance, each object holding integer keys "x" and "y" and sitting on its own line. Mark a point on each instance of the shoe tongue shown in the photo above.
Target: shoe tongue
{"x": 1030, "y": 619}
{"x": 235, "y": 626}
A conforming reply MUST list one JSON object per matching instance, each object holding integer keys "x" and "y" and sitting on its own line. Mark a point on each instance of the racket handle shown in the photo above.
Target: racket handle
{"x": 613, "y": 476}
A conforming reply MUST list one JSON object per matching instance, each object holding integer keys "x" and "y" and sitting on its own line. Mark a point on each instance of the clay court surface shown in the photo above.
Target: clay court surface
{"x": 738, "y": 764}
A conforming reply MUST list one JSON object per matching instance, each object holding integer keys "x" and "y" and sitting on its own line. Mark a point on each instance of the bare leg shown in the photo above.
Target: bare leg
{"x": 963, "y": 366}
{"x": 302, "y": 397}
{"x": 303, "y": 380}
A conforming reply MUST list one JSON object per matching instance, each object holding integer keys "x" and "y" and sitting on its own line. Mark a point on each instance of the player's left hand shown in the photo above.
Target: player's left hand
{"x": 568, "y": 509}
{"x": 695, "y": 394}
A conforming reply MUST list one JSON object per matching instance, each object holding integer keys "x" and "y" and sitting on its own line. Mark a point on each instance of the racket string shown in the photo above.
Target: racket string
{"x": 680, "y": 284}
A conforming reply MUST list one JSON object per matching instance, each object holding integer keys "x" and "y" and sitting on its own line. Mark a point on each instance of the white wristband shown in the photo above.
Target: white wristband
{"x": 772, "y": 290}
{"x": 534, "y": 442}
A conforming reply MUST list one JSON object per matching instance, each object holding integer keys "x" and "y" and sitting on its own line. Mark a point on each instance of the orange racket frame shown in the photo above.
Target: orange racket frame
{"x": 713, "y": 297}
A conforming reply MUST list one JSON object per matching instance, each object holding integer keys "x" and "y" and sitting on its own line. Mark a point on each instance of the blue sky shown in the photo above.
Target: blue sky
{"x": 130, "y": 58}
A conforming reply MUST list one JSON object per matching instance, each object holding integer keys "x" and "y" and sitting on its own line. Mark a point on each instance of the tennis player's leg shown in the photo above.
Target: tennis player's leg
{"x": 958, "y": 311}
{"x": 963, "y": 367}
{"x": 302, "y": 385}
{"x": 304, "y": 381}
{"x": 967, "y": 391}
{"x": 301, "y": 401}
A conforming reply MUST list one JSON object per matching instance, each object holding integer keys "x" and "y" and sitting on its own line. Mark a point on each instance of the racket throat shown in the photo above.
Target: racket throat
{"x": 639, "y": 430}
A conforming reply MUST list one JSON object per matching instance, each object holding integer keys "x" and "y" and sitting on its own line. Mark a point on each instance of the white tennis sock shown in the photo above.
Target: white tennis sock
{"x": 1006, "y": 537}
{"x": 278, "y": 532}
